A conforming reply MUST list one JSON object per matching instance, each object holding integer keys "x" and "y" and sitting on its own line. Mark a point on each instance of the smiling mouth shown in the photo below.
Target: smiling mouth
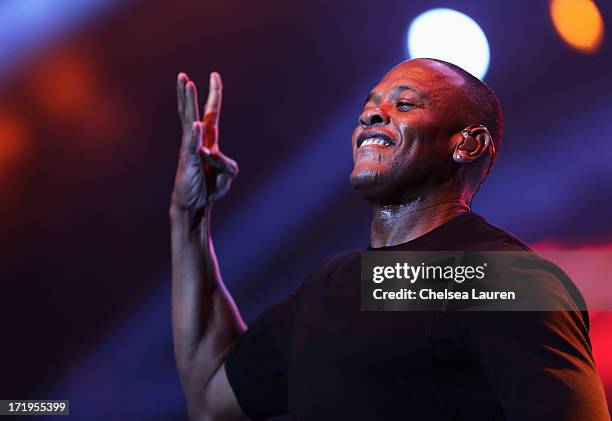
{"x": 374, "y": 139}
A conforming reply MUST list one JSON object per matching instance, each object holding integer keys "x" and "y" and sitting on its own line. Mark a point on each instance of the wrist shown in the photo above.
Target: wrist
{"x": 180, "y": 214}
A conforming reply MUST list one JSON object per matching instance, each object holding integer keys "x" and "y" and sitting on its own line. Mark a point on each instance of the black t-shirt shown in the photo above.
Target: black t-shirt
{"x": 316, "y": 356}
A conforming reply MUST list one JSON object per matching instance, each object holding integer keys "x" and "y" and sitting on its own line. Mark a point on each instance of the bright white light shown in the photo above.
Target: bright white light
{"x": 451, "y": 36}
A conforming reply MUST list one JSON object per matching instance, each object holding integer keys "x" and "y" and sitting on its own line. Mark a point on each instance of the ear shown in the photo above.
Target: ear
{"x": 471, "y": 143}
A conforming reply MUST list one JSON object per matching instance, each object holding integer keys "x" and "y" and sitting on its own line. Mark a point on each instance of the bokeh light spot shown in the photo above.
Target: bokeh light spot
{"x": 451, "y": 36}
{"x": 14, "y": 138}
{"x": 579, "y": 23}
{"x": 15, "y": 147}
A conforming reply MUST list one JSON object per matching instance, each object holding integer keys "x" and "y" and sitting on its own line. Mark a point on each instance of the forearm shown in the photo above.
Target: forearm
{"x": 205, "y": 320}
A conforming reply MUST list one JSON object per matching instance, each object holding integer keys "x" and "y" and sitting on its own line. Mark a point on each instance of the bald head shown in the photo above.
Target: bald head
{"x": 483, "y": 106}
{"x": 483, "y": 100}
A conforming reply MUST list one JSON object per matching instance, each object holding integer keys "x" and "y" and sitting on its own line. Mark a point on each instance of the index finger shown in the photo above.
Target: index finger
{"x": 213, "y": 103}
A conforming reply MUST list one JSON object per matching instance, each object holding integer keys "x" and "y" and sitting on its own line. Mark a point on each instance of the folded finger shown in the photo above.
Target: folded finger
{"x": 224, "y": 181}
{"x": 219, "y": 161}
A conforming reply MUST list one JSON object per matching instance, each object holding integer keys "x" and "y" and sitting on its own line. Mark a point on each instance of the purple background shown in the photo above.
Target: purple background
{"x": 87, "y": 93}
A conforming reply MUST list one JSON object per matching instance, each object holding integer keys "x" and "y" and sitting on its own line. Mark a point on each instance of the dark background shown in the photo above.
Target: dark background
{"x": 88, "y": 146}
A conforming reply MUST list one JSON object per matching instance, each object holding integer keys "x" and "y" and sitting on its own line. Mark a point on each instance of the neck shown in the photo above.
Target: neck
{"x": 397, "y": 224}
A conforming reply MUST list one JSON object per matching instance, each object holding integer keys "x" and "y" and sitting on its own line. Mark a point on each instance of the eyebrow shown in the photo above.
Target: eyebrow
{"x": 394, "y": 92}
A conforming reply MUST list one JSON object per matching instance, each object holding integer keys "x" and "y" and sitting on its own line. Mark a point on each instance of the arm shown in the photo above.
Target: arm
{"x": 539, "y": 362}
{"x": 205, "y": 320}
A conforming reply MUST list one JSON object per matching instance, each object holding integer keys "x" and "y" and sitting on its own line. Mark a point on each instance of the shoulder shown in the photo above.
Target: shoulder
{"x": 547, "y": 300}
{"x": 540, "y": 274}
{"x": 338, "y": 261}
{"x": 493, "y": 237}
{"x": 524, "y": 266}
{"x": 337, "y": 266}
{"x": 545, "y": 296}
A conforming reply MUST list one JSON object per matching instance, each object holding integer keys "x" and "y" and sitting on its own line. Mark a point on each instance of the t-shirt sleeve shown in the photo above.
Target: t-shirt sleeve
{"x": 256, "y": 366}
{"x": 539, "y": 362}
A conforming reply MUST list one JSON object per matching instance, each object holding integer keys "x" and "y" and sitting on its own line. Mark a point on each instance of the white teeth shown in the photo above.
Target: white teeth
{"x": 375, "y": 141}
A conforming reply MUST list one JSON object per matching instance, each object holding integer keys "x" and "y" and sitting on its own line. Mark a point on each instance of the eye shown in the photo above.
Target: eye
{"x": 404, "y": 105}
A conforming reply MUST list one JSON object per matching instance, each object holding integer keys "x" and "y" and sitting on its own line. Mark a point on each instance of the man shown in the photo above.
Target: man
{"x": 424, "y": 143}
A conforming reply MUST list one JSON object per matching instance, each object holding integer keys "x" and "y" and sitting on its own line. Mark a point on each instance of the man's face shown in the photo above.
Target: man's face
{"x": 401, "y": 146}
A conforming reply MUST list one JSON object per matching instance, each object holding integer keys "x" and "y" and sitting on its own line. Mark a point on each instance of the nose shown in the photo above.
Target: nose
{"x": 373, "y": 117}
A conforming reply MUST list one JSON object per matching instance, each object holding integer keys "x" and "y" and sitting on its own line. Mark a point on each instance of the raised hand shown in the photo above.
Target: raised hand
{"x": 204, "y": 174}
{"x": 205, "y": 320}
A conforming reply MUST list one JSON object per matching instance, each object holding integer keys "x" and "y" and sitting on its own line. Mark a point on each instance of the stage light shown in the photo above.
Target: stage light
{"x": 451, "y": 36}
{"x": 579, "y": 23}
{"x": 15, "y": 146}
